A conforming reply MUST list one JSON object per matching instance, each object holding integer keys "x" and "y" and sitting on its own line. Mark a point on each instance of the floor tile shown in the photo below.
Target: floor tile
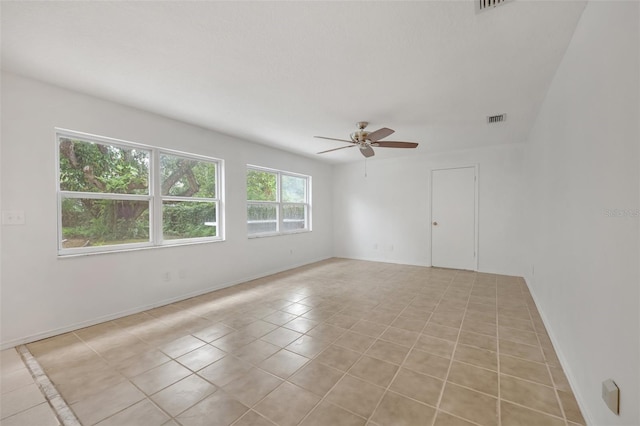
{"x": 301, "y": 325}
{"x": 40, "y": 415}
{"x": 201, "y": 357}
{"x": 328, "y": 414}
{"x": 15, "y": 379}
{"x": 102, "y": 405}
{"x": 10, "y": 361}
{"x": 281, "y": 337}
{"x": 440, "y": 331}
{"x": 183, "y": 394}
{"x": 225, "y": 370}
{"x": 374, "y": 371}
{"x": 356, "y": 395}
{"x": 308, "y": 346}
{"x": 434, "y": 345}
{"x": 514, "y": 415}
{"x": 213, "y": 332}
{"x": 474, "y": 377}
{"x": 287, "y": 405}
{"x": 481, "y": 341}
{"x": 316, "y": 377}
{"x": 397, "y": 410}
{"x": 252, "y": 418}
{"x": 256, "y": 352}
{"x": 519, "y": 350}
{"x": 141, "y": 413}
{"x": 427, "y": 363}
{"x": 525, "y": 369}
{"x": 326, "y": 332}
{"x": 138, "y": 364}
{"x": 338, "y": 357}
{"x": 570, "y": 407}
{"x": 279, "y": 318}
{"x": 355, "y": 341}
{"x": 529, "y": 394}
{"x": 369, "y": 328}
{"x": 476, "y": 356}
{"x": 252, "y": 386}
{"x": 160, "y": 377}
{"x": 445, "y": 419}
{"x": 218, "y": 409}
{"x": 409, "y": 324}
{"x": 233, "y": 341}
{"x": 20, "y": 399}
{"x": 258, "y": 328}
{"x": 470, "y": 405}
{"x": 339, "y": 328}
{"x": 284, "y": 363}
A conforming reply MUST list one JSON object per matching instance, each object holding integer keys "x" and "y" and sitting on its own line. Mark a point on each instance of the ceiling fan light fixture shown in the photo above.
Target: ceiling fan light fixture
{"x": 366, "y": 140}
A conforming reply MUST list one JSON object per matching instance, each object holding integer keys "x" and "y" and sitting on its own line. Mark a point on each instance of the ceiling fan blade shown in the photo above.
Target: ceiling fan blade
{"x": 335, "y": 149}
{"x": 367, "y": 151}
{"x": 379, "y": 134}
{"x": 334, "y": 139}
{"x": 394, "y": 144}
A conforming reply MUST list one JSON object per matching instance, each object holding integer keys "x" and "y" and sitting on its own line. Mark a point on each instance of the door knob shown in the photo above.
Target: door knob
{"x": 435, "y": 223}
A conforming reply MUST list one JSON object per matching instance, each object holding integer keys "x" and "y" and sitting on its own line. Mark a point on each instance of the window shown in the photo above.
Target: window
{"x": 277, "y": 202}
{"x": 116, "y": 195}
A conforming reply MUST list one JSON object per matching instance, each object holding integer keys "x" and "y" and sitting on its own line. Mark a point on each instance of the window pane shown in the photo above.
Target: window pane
{"x": 92, "y": 167}
{"x": 294, "y": 189}
{"x": 185, "y": 177}
{"x": 262, "y": 218}
{"x": 188, "y": 219}
{"x": 293, "y": 217}
{"x": 261, "y": 186}
{"x": 89, "y": 222}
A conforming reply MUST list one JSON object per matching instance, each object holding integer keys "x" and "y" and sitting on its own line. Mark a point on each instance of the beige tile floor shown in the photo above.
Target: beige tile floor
{"x": 339, "y": 342}
{"x": 21, "y": 402}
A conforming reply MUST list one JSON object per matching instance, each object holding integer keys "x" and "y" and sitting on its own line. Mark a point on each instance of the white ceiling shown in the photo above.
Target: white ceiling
{"x": 278, "y": 73}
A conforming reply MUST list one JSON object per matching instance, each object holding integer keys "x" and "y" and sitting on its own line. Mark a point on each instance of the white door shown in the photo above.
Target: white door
{"x": 453, "y": 218}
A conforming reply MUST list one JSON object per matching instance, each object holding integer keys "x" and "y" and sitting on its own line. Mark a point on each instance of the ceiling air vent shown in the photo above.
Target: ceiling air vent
{"x": 492, "y": 119}
{"x": 488, "y": 4}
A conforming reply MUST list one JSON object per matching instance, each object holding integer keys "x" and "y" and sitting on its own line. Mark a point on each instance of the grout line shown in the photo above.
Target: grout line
{"x": 358, "y": 360}
{"x": 455, "y": 345}
{"x": 62, "y": 411}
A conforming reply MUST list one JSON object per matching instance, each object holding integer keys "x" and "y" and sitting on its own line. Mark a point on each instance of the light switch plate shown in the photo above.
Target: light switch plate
{"x": 611, "y": 395}
{"x": 13, "y": 217}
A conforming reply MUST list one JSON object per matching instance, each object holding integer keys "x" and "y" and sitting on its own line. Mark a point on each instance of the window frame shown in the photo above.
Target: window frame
{"x": 154, "y": 196}
{"x": 279, "y": 204}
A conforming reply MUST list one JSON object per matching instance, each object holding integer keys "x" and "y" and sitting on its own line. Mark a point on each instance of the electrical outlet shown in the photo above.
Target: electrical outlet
{"x": 13, "y": 217}
{"x": 182, "y": 273}
{"x": 375, "y": 246}
{"x": 166, "y": 276}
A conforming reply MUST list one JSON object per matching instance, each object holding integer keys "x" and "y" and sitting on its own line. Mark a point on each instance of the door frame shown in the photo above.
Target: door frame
{"x": 476, "y": 224}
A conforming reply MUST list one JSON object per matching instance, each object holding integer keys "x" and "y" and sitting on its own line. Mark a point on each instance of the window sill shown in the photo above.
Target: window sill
{"x": 278, "y": 234}
{"x": 73, "y": 254}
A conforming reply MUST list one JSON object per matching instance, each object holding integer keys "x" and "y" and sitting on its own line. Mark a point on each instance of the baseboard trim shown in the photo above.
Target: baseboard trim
{"x": 561, "y": 357}
{"x": 120, "y": 314}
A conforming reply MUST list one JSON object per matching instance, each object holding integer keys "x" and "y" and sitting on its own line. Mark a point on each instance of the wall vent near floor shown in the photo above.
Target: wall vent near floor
{"x": 492, "y": 119}
{"x": 488, "y": 4}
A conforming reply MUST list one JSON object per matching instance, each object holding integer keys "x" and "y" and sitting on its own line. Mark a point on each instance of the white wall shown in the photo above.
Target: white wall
{"x": 43, "y": 294}
{"x": 391, "y": 207}
{"x": 582, "y": 160}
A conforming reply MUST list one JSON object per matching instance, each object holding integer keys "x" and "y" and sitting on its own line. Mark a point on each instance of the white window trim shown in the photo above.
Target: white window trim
{"x": 154, "y": 197}
{"x": 279, "y": 204}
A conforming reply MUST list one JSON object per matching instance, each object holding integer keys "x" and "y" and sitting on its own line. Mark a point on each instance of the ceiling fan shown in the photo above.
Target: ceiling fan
{"x": 366, "y": 140}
